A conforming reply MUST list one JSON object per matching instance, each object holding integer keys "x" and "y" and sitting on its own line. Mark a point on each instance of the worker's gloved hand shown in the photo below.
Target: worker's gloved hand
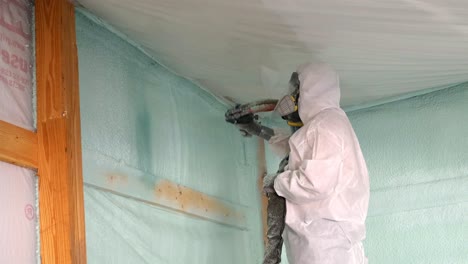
{"x": 268, "y": 183}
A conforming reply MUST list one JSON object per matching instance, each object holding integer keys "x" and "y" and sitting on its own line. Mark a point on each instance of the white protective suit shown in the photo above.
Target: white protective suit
{"x": 326, "y": 185}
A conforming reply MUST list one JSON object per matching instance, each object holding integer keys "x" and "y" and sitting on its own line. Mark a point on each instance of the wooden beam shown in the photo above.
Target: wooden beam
{"x": 262, "y": 171}
{"x": 18, "y": 145}
{"x": 104, "y": 173}
{"x": 62, "y": 229}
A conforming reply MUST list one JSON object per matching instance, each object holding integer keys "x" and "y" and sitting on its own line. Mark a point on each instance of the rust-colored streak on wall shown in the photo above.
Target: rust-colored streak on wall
{"x": 189, "y": 200}
{"x": 116, "y": 179}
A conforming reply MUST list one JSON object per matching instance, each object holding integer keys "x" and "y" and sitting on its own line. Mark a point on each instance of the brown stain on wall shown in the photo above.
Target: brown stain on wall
{"x": 114, "y": 179}
{"x": 185, "y": 199}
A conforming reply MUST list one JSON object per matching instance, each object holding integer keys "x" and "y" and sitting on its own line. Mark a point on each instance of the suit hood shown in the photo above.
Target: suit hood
{"x": 319, "y": 90}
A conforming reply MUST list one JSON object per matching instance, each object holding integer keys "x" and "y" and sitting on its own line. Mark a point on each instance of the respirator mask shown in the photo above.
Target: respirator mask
{"x": 287, "y": 106}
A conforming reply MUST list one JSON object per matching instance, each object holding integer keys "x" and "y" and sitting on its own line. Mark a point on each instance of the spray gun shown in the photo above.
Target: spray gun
{"x": 246, "y": 119}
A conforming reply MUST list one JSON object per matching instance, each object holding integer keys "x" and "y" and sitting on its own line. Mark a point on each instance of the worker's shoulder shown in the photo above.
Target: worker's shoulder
{"x": 330, "y": 121}
{"x": 332, "y": 117}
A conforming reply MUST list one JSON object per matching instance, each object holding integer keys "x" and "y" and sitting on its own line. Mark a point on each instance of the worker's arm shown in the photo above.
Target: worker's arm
{"x": 318, "y": 173}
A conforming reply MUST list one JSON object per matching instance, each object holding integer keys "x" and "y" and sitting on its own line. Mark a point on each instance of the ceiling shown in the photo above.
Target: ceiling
{"x": 246, "y": 49}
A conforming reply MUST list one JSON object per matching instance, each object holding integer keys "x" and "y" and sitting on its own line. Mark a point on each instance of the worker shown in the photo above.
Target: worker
{"x": 326, "y": 184}
{"x": 276, "y": 209}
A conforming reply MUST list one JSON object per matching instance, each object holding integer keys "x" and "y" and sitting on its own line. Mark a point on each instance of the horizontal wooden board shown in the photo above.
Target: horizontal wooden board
{"x": 18, "y": 145}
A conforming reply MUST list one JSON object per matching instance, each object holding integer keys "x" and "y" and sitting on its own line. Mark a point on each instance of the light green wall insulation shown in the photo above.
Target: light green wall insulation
{"x": 140, "y": 116}
{"x": 417, "y": 154}
{"x": 416, "y": 151}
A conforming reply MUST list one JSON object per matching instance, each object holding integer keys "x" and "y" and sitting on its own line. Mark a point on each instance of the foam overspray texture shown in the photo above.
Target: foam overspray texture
{"x": 415, "y": 150}
{"x": 140, "y": 116}
{"x": 248, "y": 49}
{"x": 416, "y": 153}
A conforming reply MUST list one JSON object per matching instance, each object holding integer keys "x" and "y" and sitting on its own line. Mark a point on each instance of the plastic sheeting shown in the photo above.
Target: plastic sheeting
{"x": 247, "y": 49}
{"x": 416, "y": 154}
{"x": 139, "y": 116}
{"x": 18, "y": 208}
{"x": 16, "y": 57}
{"x": 18, "y": 215}
{"x": 120, "y": 230}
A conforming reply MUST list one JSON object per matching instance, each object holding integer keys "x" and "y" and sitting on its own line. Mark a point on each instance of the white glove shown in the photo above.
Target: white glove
{"x": 279, "y": 143}
{"x": 268, "y": 183}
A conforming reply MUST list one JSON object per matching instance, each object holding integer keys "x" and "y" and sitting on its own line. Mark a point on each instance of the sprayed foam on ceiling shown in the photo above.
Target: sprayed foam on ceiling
{"x": 246, "y": 50}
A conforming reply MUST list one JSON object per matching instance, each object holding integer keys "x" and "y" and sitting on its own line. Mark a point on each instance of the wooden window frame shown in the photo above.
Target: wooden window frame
{"x": 55, "y": 149}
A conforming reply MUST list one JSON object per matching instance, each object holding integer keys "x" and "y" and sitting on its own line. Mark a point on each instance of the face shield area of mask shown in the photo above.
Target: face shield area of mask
{"x": 287, "y": 106}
